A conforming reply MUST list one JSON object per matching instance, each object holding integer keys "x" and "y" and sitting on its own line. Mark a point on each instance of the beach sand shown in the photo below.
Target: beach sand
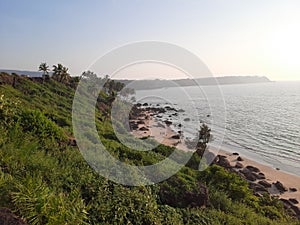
{"x": 272, "y": 175}
{"x": 163, "y": 134}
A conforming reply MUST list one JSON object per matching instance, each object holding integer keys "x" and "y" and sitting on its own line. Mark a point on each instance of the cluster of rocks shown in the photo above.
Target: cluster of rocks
{"x": 257, "y": 181}
{"x": 159, "y": 112}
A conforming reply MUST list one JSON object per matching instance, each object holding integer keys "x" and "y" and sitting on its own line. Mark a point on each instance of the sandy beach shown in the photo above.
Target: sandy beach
{"x": 272, "y": 175}
{"x": 153, "y": 127}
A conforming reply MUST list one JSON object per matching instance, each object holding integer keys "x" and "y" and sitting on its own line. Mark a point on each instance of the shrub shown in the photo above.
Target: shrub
{"x": 36, "y": 123}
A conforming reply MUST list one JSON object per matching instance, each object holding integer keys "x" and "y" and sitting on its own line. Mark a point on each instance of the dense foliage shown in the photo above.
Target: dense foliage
{"x": 45, "y": 180}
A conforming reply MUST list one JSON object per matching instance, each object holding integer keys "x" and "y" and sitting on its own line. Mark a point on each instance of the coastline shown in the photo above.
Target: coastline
{"x": 271, "y": 177}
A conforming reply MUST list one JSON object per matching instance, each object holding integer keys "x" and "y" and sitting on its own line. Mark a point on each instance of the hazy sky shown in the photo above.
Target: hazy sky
{"x": 232, "y": 37}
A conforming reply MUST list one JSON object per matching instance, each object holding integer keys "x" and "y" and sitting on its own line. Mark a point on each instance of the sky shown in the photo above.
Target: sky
{"x": 232, "y": 37}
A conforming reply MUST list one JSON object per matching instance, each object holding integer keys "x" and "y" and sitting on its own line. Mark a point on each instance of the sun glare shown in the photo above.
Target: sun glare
{"x": 284, "y": 47}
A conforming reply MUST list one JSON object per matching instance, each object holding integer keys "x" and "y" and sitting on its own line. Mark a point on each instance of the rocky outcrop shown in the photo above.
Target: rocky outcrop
{"x": 177, "y": 136}
{"x": 144, "y": 129}
{"x": 281, "y": 188}
{"x": 240, "y": 159}
{"x": 133, "y": 125}
{"x": 253, "y": 169}
{"x": 265, "y": 183}
{"x": 290, "y": 205}
{"x": 294, "y": 201}
{"x": 168, "y": 123}
{"x": 258, "y": 188}
{"x": 239, "y": 165}
{"x": 293, "y": 189}
{"x": 249, "y": 175}
{"x": 223, "y": 161}
{"x": 260, "y": 176}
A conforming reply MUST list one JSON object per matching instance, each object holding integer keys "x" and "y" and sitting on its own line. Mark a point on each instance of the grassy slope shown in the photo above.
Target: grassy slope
{"x": 46, "y": 181}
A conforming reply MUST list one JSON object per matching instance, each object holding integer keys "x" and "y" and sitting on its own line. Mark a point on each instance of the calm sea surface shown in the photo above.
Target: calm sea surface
{"x": 260, "y": 121}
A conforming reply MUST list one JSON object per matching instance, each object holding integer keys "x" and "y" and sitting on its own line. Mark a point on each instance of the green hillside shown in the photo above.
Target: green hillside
{"x": 45, "y": 180}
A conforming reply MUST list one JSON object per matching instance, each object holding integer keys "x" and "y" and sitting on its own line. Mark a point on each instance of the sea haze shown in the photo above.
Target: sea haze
{"x": 262, "y": 120}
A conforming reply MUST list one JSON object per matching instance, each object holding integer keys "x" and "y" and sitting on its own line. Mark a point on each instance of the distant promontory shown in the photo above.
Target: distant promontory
{"x": 157, "y": 83}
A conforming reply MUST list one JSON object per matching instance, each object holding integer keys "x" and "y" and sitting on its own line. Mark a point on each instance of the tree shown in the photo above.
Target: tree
{"x": 45, "y": 69}
{"x": 200, "y": 144}
{"x": 92, "y": 79}
{"x": 60, "y": 73}
{"x": 89, "y": 75}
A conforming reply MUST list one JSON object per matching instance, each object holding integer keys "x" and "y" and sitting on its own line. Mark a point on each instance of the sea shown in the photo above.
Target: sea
{"x": 260, "y": 121}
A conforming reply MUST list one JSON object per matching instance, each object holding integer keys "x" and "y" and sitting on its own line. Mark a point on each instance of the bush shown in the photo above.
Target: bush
{"x": 232, "y": 184}
{"x": 183, "y": 191}
{"x": 36, "y": 123}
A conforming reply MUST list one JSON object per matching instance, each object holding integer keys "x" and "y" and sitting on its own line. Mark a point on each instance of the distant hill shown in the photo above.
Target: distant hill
{"x": 153, "y": 84}
{"x": 24, "y": 72}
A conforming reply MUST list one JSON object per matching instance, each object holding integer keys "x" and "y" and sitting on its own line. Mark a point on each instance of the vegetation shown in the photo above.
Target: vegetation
{"x": 45, "y": 180}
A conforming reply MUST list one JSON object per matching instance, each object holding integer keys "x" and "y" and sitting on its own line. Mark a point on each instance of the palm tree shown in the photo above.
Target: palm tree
{"x": 64, "y": 75}
{"x": 45, "y": 68}
{"x": 60, "y": 73}
{"x": 57, "y": 71}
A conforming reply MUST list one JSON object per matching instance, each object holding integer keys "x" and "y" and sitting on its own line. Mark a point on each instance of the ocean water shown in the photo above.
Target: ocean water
{"x": 260, "y": 121}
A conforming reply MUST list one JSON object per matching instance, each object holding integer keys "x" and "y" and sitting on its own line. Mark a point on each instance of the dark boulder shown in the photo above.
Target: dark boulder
{"x": 281, "y": 188}
{"x": 257, "y": 187}
{"x": 145, "y": 104}
{"x": 223, "y": 161}
{"x": 265, "y": 183}
{"x": 296, "y": 210}
{"x": 239, "y": 165}
{"x": 235, "y": 153}
{"x": 286, "y": 203}
{"x": 170, "y": 108}
{"x": 253, "y": 169}
{"x": 168, "y": 122}
{"x": 186, "y": 119}
{"x": 293, "y": 189}
{"x": 144, "y": 129}
{"x": 140, "y": 122}
{"x": 240, "y": 159}
{"x": 294, "y": 201}
{"x": 260, "y": 176}
{"x": 176, "y": 136}
{"x": 133, "y": 126}
{"x": 248, "y": 174}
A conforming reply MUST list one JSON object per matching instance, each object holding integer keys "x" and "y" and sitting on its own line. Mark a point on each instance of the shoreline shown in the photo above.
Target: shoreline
{"x": 270, "y": 180}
